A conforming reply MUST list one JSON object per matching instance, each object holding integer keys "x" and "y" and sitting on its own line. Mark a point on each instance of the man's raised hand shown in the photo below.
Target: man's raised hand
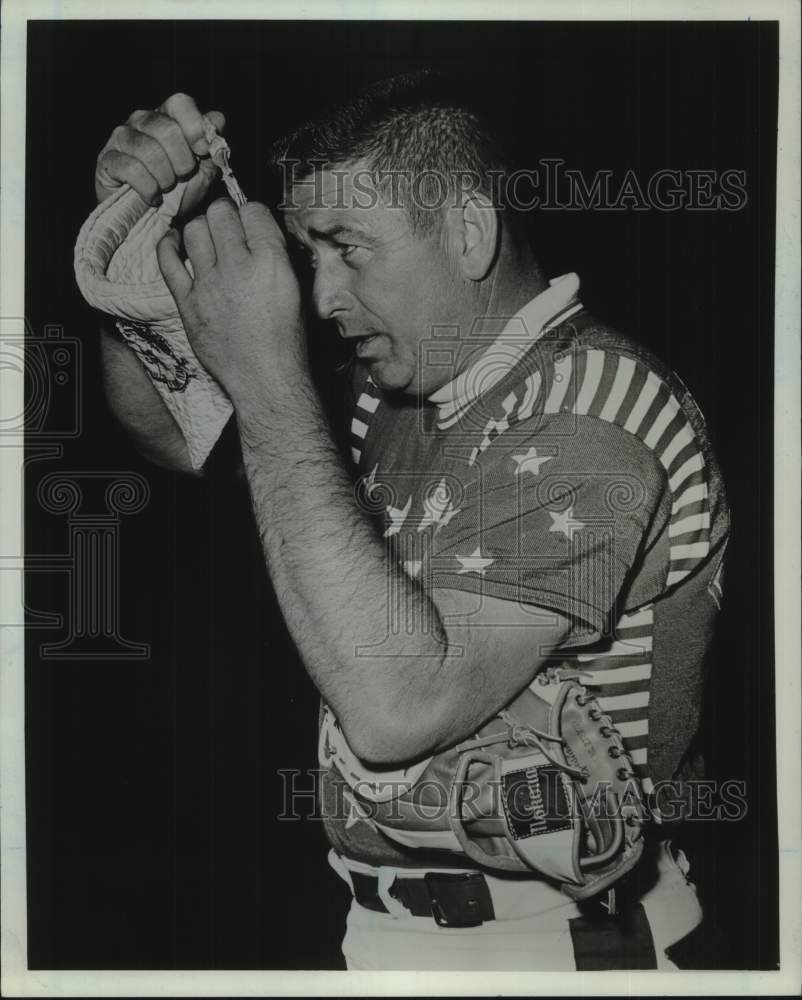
{"x": 241, "y": 306}
{"x": 154, "y": 150}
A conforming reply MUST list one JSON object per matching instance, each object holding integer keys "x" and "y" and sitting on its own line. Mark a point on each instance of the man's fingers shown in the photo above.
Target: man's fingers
{"x": 199, "y": 246}
{"x": 167, "y": 132}
{"x": 147, "y": 150}
{"x": 115, "y": 168}
{"x": 262, "y": 232}
{"x": 226, "y": 229}
{"x": 172, "y": 267}
{"x": 183, "y": 109}
{"x": 167, "y": 143}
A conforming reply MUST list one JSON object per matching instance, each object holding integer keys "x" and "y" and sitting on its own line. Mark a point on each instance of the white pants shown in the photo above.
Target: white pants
{"x": 531, "y": 930}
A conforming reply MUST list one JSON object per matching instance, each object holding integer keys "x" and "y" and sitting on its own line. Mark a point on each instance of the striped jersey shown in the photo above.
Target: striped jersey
{"x": 571, "y": 470}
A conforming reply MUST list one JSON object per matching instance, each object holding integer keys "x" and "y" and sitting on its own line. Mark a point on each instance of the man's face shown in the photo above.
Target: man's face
{"x": 384, "y": 287}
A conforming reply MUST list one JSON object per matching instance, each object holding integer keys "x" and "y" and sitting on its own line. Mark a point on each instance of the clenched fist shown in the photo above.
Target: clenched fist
{"x": 241, "y": 306}
{"x": 154, "y": 150}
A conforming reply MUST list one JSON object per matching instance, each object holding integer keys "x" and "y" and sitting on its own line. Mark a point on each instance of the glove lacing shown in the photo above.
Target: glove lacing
{"x": 519, "y": 734}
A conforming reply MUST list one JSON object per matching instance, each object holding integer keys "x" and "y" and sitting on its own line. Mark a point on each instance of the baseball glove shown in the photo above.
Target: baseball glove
{"x": 545, "y": 787}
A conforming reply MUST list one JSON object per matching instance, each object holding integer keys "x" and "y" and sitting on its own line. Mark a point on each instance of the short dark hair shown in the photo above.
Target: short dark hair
{"x": 421, "y": 128}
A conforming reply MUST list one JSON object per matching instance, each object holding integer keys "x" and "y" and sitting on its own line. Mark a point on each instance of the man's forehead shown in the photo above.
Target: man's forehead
{"x": 316, "y": 219}
{"x": 330, "y": 185}
{"x": 341, "y": 199}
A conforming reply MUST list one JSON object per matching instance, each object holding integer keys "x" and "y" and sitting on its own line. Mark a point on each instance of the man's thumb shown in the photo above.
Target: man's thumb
{"x": 218, "y": 119}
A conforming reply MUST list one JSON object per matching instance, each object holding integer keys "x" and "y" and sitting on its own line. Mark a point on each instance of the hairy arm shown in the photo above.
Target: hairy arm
{"x": 398, "y": 693}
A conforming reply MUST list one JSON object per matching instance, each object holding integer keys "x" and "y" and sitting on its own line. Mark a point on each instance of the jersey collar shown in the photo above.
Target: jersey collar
{"x": 545, "y": 311}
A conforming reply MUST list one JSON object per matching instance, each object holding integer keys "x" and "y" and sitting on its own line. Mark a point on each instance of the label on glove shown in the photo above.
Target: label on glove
{"x": 535, "y": 801}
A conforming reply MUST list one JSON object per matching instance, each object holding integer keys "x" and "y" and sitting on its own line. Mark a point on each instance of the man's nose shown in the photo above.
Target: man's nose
{"x": 330, "y": 292}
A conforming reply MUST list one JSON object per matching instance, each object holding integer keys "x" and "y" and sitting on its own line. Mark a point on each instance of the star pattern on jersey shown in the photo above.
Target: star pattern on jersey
{"x": 438, "y": 507}
{"x": 474, "y": 563}
{"x": 601, "y": 387}
{"x": 530, "y": 462}
{"x": 397, "y": 517}
{"x": 356, "y": 812}
{"x": 565, "y": 522}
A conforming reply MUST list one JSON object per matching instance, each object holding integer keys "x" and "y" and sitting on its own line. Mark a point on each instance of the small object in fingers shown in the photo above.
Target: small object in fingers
{"x": 220, "y": 151}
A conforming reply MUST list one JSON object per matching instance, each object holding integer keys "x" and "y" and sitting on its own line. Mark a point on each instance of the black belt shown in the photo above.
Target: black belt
{"x": 462, "y": 899}
{"x": 453, "y": 900}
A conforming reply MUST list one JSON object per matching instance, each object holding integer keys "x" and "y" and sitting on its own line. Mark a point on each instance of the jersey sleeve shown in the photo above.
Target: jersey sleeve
{"x": 567, "y": 520}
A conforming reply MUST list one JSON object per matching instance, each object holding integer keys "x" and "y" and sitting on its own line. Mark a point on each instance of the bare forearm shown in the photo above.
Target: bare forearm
{"x": 399, "y": 693}
{"x": 138, "y": 407}
{"x": 333, "y": 579}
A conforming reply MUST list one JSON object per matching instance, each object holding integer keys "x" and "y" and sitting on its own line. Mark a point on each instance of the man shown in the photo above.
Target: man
{"x": 528, "y": 489}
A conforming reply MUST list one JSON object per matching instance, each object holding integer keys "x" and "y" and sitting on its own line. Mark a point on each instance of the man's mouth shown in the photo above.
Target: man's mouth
{"x": 364, "y": 344}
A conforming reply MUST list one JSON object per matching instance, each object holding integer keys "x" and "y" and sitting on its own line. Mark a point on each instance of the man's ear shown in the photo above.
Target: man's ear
{"x": 474, "y": 233}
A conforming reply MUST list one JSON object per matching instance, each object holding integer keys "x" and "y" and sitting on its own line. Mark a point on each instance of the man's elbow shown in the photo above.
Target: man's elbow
{"x": 391, "y": 738}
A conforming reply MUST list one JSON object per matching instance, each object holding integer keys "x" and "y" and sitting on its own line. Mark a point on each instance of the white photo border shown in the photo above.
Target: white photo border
{"x": 17, "y": 980}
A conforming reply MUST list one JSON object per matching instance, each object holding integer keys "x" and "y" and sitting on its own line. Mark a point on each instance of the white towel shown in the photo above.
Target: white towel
{"x": 118, "y": 273}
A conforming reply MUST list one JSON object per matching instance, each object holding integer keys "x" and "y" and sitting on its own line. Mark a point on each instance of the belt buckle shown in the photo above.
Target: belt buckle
{"x": 459, "y": 900}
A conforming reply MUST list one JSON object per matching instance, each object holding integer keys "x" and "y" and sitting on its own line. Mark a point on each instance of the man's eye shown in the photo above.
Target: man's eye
{"x": 351, "y": 252}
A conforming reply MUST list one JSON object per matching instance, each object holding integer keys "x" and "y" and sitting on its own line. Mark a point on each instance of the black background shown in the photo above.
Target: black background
{"x": 152, "y": 786}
